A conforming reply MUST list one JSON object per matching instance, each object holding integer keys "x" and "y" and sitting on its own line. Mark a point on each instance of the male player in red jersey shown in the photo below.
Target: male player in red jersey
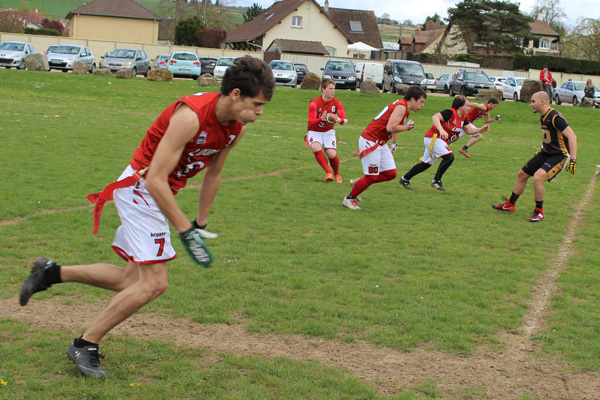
{"x": 558, "y": 151}
{"x": 194, "y": 133}
{"x": 447, "y": 127}
{"x": 321, "y": 134}
{"x": 375, "y": 155}
{"x": 477, "y": 111}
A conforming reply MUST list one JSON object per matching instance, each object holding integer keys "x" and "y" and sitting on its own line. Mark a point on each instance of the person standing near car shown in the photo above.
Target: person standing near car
{"x": 547, "y": 82}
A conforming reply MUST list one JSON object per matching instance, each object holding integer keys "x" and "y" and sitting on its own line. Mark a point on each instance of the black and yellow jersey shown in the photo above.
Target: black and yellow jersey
{"x": 553, "y": 125}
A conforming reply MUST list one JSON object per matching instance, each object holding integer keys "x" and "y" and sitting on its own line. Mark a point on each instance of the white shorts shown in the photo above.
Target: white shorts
{"x": 327, "y": 139}
{"x": 144, "y": 236}
{"x": 380, "y": 159}
{"x": 440, "y": 149}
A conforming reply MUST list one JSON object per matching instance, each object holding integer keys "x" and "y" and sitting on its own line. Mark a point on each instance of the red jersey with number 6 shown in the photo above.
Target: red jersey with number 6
{"x": 211, "y": 138}
{"x": 318, "y": 107}
{"x": 377, "y": 129}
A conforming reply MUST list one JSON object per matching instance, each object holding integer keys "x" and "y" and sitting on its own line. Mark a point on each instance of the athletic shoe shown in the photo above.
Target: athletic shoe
{"x": 328, "y": 177}
{"x": 538, "y": 215}
{"x": 36, "y": 282}
{"x": 351, "y": 204}
{"x": 464, "y": 152}
{"x": 338, "y": 179}
{"x": 352, "y": 183}
{"x": 405, "y": 182}
{"x": 438, "y": 185}
{"x": 508, "y": 207}
{"x": 87, "y": 360}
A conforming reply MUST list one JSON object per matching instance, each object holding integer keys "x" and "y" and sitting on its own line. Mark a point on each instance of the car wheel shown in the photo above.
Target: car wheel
{"x": 463, "y": 91}
{"x": 452, "y": 91}
{"x": 93, "y": 69}
{"x": 392, "y": 88}
{"x": 515, "y": 97}
{"x": 147, "y": 72}
{"x": 383, "y": 89}
{"x": 557, "y": 100}
{"x": 134, "y": 70}
{"x": 22, "y": 66}
{"x": 446, "y": 89}
{"x": 575, "y": 101}
{"x": 65, "y": 70}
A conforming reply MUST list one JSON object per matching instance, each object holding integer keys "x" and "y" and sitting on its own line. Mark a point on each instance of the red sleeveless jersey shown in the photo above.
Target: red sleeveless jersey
{"x": 377, "y": 129}
{"x": 452, "y": 127}
{"x": 211, "y": 138}
{"x": 318, "y": 107}
{"x": 474, "y": 114}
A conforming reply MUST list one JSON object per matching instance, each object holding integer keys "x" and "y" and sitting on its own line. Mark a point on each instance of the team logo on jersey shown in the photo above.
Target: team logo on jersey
{"x": 199, "y": 165}
{"x": 332, "y": 109}
{"x": 201, "y": 138}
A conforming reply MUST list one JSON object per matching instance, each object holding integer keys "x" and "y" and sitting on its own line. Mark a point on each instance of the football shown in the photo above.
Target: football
{"x": 332, "y": 118}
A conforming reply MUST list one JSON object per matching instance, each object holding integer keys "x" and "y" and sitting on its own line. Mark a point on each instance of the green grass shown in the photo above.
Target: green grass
{"x": 410, "y": 269}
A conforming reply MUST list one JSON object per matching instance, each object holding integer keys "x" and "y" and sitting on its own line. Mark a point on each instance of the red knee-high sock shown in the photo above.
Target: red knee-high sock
{"x": 363, "y": 183}
{"x": 335, "y": 165}
{"x": 322, "y": 160}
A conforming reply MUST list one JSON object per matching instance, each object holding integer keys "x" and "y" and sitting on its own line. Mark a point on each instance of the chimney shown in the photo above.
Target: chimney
{"x": 540, "y": 17}
{"x": 326, "y": 6}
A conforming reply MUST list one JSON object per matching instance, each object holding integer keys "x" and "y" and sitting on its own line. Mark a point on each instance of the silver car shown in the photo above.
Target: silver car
{"x": 284, "y": 73}
{"x": 12, "y": 54}
{"x": 64, "y": 57}
{"x": 160, "y": 61}
{"x": 442, "y": 84}
{"x": 572, "y": 92}
{"x": 133, "y": 59}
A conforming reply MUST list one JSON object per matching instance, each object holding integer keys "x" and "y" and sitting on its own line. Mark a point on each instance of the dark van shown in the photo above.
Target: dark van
{"x": 397, "y": 73}
{"x": 342, "y": 72}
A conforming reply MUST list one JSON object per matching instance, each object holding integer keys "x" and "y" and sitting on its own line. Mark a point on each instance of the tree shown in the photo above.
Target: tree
{"x": 23, "y": 6}
{"x": 583, "y": 42}
{"x": 211, "y": 38}
{"x": 254, "y": 10}
{"x": 497, "y": 25}
{"x": 187, "y": 31}
{"x": 53, "y": 24}
{"x": 436, "y": 18}
{"x": 10, "y": 21}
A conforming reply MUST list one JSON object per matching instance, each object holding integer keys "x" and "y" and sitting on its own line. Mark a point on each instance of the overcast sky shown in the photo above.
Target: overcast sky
{"x": 418, "y": 10}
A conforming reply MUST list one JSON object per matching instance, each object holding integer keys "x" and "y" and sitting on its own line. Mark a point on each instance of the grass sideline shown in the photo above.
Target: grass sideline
{"x": 412, "y": 268}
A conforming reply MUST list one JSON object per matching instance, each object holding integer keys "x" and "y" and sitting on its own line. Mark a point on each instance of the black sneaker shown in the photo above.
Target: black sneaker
{"x": 36, "y": 282}
{"x": 87, "y": 360}
{"x": 405, "y": 182}
{"x": 438, "y": 185}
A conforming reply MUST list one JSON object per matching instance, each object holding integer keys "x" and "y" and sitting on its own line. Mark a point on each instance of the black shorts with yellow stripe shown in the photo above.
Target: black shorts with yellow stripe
{"x": 551, "y": 163}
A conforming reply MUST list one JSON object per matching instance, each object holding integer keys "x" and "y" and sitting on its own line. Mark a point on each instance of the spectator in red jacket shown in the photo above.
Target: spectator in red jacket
{"x": 546, "y": 78}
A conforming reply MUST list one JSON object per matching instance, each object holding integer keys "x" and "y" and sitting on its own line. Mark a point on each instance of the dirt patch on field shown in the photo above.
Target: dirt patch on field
{"x": 487, "y": 374}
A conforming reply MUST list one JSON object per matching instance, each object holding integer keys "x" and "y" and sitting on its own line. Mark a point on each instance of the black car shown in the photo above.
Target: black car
{"x": 469, "y": 83}
{"x": 398, "y": 74}
{"x": 301, "y": 70}
{"x": 207, "y": 65}
{"x": 342, "y": 72}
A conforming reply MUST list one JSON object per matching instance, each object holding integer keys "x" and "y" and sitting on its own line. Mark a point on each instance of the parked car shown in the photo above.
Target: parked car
{"x": 572, "y": 92}
{"x": 51, "y": 48}
{"x": 184, "y": 63}
{"x": 498, "y": 82}
{"x": 12, "y": 54}
{"x": 469, "y": 83}
{"x": 284, "y": 73}
{"x": 442, "y": 84}
{"x": 301, "y": 70}
{"x": 369, "y": 70}
{"x": 342, "y": 72}
{"x": 511, "y": 88}
{"x": 134, "y": 59}
{"x": 222, "y": 64}
{"x": 207, "y": 65}
{"x": 397, "y": 73}
{"x": 64, "y": 57}
{"x": 160, "y": 61}
{"x": 430, "y": 81}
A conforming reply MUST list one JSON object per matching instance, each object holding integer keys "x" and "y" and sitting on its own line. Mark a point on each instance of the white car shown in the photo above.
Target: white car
{"x": 284, "y": 73}
{"x": 498, "y": 82}
{"x": 221, "y": 67}
{"x": 512, "y": 88}
{"x": 12, "y": 54}
{"x": 64, "y": 57}
{"x": 430, "y": 81}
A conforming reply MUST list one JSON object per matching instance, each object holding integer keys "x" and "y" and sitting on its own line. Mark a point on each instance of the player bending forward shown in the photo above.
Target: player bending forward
{"x": 477, "y": 111}
{"x": 558, "y": 151}
{"x": 324, "y": 113}
{"x": 193, "y": 133}
{"x": 375, "y": 155}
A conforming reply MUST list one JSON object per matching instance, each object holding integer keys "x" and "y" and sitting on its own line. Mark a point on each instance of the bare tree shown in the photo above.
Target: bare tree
{"x": 583, "y": 42}
{"x": 10, "y": 21}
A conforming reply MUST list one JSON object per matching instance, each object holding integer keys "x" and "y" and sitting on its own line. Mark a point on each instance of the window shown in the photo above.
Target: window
{"x": 355, "y": 26}
{"x": 544, "y": 44}
{"x": 296, "y": 22}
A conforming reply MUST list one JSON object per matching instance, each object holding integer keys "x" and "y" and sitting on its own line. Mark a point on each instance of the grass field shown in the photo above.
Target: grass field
{"x": 412, "y": 270}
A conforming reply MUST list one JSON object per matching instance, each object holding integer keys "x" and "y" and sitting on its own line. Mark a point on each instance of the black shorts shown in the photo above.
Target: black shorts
{"x": 551, "y": 163}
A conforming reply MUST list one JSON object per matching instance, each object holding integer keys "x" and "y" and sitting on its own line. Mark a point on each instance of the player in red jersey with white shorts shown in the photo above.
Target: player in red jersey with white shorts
{"x": 447, "y": 127}
{"x": 375, "y": 155}
{"x": 194, "y": 133}
{"x": 321, "y": 134}
{"x": 477, "y": 111}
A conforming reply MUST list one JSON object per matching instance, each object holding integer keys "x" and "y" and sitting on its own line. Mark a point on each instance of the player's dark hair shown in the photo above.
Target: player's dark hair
{"x": 326, "y": 81}
{"x": 459, "y": 101}
{"x": 415, "y": 92}
{"x": 251, "y": 75}
{"x": 493, "y": 100}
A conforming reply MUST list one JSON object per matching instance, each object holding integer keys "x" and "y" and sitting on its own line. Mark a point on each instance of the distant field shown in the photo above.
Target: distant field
{"x": 391, "y": 33}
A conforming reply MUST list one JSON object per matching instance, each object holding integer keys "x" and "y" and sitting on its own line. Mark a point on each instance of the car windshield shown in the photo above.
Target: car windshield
{"x": 408, "y": 69}
{"x": 282, "y": 66}
{"x": 163, "y": 58}
{"x": 520, "y": 81}
{"x": 579, "y": 85}
{"x": 66, "y": 50}
{"x": 340, "y": 66}
{"x": 225, "y": 62}
{"x": 300, "y": 67}
{"x": 12, "y": 46}
{"x": 122, "y": 53}
{"x": 185, "y": 56}
{"x": 476, "y": 76}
